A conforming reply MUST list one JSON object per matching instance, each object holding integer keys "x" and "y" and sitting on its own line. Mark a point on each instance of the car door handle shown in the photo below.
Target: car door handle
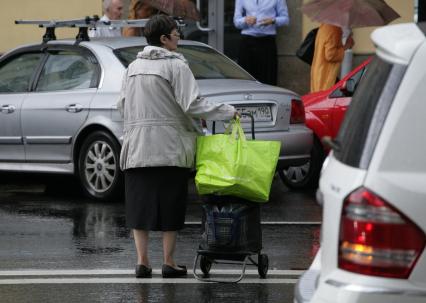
{"x": 74, "y": 108}
{"x": 7, "y": 109}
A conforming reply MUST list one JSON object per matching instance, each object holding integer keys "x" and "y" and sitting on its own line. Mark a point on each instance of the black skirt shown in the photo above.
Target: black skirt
{"x": 156, "y": 198}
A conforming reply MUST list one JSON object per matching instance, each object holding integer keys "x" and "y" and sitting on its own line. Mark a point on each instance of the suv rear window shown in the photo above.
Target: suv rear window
{"x": 204, "y": 62}
{"x": 367, "y": 113}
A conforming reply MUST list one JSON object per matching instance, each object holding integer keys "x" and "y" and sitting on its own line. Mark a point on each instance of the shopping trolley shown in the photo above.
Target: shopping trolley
{"x": 231, "y": 235}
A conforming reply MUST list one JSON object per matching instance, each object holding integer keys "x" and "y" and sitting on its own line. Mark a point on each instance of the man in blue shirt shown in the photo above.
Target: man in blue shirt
{"x": 258, "y": 21}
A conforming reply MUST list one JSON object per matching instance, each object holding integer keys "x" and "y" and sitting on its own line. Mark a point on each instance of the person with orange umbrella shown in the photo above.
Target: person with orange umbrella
{"x": 328, "y": 55}
{"x": 333, "y": 16}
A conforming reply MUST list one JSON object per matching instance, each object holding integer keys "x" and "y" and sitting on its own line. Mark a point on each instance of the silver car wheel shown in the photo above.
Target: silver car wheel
{"x": 100, "y": 165}
{"x": 297, "y": 173}
{"x": 306, "y": 175}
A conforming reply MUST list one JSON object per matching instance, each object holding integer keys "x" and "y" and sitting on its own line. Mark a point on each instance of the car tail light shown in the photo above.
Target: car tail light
{"x": 376, "y": 239}
{"x": 297, "y": 112}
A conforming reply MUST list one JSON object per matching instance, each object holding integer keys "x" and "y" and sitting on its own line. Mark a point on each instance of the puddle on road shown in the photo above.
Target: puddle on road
{"x": 67, "y": 231}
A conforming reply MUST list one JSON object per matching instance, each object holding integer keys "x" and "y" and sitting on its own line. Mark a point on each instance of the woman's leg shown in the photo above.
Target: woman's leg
{"x": 141, "y": 243}
{"x": 170, "y": 269}
{"x": 169, "y": 244}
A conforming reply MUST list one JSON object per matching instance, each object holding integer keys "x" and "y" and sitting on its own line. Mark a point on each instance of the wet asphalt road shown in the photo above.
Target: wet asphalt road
{"x": 57, "y": 246}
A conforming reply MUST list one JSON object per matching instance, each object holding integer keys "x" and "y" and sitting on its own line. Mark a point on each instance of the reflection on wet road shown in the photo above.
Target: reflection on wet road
{"x": 152, "y": 293}
{"x": 93, "y": 236}
{"x": 62, "y": 231}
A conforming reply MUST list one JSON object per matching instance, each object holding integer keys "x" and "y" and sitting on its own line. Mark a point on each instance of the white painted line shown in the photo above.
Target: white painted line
{"x": 270, "y": 223}
{"x": 133, "y": 281}
{"x": 109, "y": 272}
{"x": 291, "y": 223}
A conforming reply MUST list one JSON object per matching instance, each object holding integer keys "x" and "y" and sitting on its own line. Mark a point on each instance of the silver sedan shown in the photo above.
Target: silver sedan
{"x": 58, "y": 107}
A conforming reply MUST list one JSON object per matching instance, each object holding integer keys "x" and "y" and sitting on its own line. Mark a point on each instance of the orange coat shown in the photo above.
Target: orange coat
{"x": 139, "y": 9}
{"x": 328, "y": 56}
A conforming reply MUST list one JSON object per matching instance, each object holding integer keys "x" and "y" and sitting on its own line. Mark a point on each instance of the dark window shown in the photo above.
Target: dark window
{"x": 231, "y": 34}
{"x": 128, "y": 55}
{"x": 67, "y": 70}
{"x": 16, "y": 74}
{"x": 367, "y": 113}
{"x": 204, "y": 62}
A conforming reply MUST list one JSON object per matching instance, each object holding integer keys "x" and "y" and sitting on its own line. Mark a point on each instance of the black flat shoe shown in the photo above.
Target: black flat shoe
{"x": 170, "y": 272}
{"x": 143, "y": 272}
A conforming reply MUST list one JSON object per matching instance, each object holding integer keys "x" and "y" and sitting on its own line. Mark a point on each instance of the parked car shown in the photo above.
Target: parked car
{"x": 373, "y": 184}
{"x": 324, "y": 112}
{"x": 58, "y": 107}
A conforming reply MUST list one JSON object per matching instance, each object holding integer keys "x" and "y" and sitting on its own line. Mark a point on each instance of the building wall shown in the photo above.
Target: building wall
{"x": 292, "y": 72}
{"x": 12, "y": 35}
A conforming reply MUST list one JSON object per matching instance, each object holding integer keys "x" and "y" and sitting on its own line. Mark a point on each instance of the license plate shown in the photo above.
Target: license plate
{"x": 260, "y": 113}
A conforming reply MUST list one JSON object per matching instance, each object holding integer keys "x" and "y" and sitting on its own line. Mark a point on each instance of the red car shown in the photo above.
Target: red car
{"x": 324, "y": 112}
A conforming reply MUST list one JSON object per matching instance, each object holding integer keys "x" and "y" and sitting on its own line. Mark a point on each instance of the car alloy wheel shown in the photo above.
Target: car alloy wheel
{"x": 99, "y": 166}
{"x": 306, "y": 175}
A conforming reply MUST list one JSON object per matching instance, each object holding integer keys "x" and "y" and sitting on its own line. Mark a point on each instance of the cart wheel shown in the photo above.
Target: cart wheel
{"x": 263, "y": 265}
{"x": 205, "y": 265}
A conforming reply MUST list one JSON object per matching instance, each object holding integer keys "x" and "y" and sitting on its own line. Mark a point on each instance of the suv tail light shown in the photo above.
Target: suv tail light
{"x": 376, "y": 239}
{"x": 297, "y": 112}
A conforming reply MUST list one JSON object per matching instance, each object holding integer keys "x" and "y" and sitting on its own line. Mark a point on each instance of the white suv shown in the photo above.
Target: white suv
{"x": 373, "y": 185}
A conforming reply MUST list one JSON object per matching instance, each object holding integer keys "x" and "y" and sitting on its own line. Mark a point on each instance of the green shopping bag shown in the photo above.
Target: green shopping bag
{"x": 228, "y": 164}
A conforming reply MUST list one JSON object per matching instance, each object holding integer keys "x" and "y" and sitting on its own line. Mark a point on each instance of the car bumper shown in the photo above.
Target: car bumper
{"x": 296, "y": 144}
{"x": 334, "y": 291}
{"x": 306, "y": 285}
{"x": 342, "y": 286}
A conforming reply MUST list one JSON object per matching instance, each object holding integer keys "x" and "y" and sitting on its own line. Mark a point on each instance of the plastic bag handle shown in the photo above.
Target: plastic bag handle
{"x": 242, "y": 114}
{"x": 231, "y": 125}
{"x": 236, "y": 128}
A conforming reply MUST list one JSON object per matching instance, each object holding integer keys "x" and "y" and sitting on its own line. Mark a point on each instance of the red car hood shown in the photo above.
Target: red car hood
{"x": 312, "y": 98}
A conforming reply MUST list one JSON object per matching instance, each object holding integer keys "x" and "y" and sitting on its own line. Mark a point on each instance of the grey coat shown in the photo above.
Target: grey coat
{"x": 158, "y": 99}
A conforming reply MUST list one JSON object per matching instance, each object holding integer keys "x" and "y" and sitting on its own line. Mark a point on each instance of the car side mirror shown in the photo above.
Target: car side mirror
{"x": 348, "y": 87}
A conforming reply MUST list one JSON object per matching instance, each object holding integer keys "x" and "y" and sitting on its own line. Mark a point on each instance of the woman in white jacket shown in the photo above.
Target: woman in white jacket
{"x": 158, "y": 100}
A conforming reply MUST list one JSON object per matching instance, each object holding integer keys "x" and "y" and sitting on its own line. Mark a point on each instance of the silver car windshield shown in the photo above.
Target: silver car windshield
{"x": 204, "y": 62}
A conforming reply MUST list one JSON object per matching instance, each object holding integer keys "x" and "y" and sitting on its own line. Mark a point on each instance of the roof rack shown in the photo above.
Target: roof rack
{"x": 84, "y": 24}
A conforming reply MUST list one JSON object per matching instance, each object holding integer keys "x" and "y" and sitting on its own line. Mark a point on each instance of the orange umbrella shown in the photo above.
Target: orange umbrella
{"x": 350, "y": 13}
{"x": 177, "y": 8}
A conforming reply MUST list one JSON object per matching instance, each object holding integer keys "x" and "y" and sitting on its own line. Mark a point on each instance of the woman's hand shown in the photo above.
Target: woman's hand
{"x": 267, "y": 21}
{"x": 237, "y": 115}
{"x": 349, "y": 43}
{"x": 250, "y": 20}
